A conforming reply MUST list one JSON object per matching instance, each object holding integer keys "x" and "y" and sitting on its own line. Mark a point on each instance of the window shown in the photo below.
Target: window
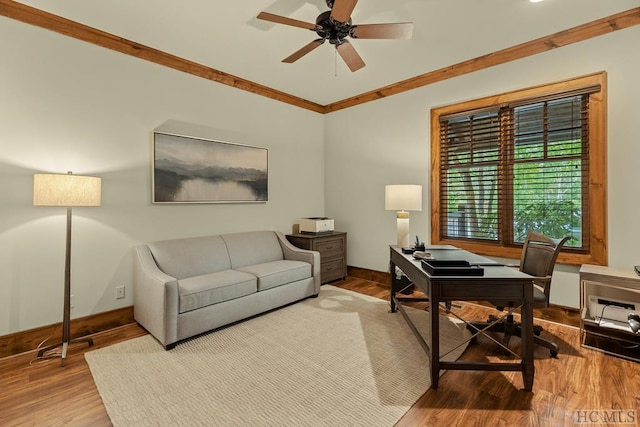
{"x": 530, "y": 159}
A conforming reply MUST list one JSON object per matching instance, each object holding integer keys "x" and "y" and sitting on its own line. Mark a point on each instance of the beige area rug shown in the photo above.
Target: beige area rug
{"x": 337, "y": 360}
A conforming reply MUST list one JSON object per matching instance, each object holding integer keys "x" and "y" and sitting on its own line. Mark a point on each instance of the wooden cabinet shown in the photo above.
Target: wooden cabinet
{"x": 607, "y": 296}
{"x": 333, "y": 252}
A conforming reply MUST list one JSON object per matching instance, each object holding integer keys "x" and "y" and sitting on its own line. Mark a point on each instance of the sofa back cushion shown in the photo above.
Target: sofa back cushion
{"x": 192, "y": 256}
{"x": 253, "y": 247}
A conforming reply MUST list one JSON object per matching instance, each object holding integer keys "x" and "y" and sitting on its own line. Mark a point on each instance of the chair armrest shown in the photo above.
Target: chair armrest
{"x": 155, "y": 297}
{"x": 543, "y": 283}
{"x": 296, "y": 254}
{"x": 542, "y": 278}
{"x": 540, "y": 281}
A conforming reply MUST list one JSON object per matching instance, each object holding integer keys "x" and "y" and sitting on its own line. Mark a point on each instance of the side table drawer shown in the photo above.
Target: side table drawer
{"x": 330, "y": 248}
{"x": 332, "y": 270}
{"x": 333, "y": 252}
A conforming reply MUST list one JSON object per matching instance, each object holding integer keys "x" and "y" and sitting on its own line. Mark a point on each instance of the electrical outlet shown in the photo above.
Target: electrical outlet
{"x": 73, "y": 301}
{"x": 119, "y": 292}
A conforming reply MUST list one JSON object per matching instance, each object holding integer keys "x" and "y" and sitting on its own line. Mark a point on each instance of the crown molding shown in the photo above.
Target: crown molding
{"x": 76, "y": 30}
{"x": 33, "y": 16}
{"x": 573, "y": 35}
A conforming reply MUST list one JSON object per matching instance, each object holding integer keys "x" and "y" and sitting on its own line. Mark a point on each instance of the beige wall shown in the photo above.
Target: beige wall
{"x": 67, "y": 105}
{"x": 387, "y": 142}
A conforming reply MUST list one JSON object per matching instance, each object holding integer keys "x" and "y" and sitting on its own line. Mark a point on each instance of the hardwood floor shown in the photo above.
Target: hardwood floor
{"x": 42, "y": 393}
{"x": 45, "y": 394}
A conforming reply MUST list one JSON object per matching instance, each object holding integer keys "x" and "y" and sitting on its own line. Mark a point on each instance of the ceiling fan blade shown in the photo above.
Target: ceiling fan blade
{"x": 266, "y": 16}
{"x": 350, "y": 56}
{"x": 400, "y": 30}
{"x": 341, "y": 10}
{"x": 302, "y": 52}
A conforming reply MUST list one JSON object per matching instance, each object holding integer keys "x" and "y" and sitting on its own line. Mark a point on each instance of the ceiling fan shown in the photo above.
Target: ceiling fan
{"x": 335, "y": 26}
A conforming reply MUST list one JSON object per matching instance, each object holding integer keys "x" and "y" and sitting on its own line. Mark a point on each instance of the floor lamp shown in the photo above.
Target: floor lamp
{"x": 66, "y": 190}
{"x": 403, "y": 198}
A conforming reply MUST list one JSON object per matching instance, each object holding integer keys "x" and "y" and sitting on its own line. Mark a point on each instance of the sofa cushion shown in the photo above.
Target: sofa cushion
{"x": 193, "y": 256}
{"x": 276, "y": 273}
{"x": 207, "y": 289}
{"x": 254, "y": 247}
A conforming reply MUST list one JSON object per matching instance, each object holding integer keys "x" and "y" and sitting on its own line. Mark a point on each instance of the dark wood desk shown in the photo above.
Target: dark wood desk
{"x": 498, "y": 284}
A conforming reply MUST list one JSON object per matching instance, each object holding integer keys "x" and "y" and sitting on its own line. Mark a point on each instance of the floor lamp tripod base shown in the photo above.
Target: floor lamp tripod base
{"x": 65, "y": 345}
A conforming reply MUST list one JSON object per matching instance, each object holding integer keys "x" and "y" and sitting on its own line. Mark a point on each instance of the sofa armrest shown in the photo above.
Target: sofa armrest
{"x": 155, "y": 297}
{"x": 296, "y": 254}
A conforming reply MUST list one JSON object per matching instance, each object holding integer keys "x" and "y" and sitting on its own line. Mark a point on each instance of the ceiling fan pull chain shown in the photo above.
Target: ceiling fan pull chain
{"x": 335, "y": 62}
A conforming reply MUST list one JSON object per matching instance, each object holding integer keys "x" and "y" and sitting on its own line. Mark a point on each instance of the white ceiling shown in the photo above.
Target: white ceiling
{"x": 225, "y": 35}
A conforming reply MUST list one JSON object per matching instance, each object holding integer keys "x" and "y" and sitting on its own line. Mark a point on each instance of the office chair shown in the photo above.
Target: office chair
{"x": 539, "y": 255}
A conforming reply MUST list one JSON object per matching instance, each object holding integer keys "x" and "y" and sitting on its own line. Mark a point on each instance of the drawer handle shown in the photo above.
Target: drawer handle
{"x": 329, "y": 247}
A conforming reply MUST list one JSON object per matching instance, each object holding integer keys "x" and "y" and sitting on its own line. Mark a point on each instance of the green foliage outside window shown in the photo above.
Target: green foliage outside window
{"x": 540, "y": 185}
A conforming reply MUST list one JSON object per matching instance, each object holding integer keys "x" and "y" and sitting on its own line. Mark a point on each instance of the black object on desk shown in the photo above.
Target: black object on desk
{"x": 451, "y": 267}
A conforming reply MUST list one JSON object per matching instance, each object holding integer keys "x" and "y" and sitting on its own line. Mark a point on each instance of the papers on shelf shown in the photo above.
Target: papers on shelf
{"x": 613, "y": 324}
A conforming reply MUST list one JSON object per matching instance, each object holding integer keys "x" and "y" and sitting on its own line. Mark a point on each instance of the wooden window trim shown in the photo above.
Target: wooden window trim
{"x": 597, "y": 215}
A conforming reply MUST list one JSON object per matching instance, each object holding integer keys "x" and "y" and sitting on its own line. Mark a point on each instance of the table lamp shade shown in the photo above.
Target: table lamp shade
{"x": 66, "y": 190}
{"x": 403, "y": 197}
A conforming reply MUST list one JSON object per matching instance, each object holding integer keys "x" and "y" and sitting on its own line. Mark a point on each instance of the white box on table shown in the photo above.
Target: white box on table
{"x": 316, "y": 225}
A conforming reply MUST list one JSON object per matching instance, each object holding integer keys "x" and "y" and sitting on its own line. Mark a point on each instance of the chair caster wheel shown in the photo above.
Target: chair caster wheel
{"x": 536, "y": 333}
{"x": 554, "y": 354}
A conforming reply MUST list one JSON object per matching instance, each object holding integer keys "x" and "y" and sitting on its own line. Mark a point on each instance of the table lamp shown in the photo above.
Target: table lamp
{"x": 403, "y": 198}
{"x": 66, "y": 190}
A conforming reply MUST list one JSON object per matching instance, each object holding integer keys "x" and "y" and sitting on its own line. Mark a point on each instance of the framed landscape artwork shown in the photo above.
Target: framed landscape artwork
{"x": 194, "y": 170}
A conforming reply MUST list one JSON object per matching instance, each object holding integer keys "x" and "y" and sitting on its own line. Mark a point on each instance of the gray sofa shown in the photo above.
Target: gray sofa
{"x": 185, "y": 287}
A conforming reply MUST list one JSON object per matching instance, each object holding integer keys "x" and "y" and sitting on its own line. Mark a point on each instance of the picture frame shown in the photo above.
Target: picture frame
{"x": 187, "y": 169}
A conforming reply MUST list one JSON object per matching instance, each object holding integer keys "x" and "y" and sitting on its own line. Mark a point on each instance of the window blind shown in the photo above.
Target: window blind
{"x": 516, "y": 167}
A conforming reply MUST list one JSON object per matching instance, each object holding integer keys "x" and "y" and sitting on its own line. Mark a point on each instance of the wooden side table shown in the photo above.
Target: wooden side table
{"x": 333, "y": 252}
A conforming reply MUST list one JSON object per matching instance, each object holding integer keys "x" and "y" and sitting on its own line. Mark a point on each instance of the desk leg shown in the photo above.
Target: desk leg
{"x": 392, "y": 293}
{"x": 434, "y": 315}
{"x": 528, "y": 370}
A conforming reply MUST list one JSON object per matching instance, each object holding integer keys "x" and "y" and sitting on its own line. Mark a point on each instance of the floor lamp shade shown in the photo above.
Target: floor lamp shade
{"x": 403, "y": 198}
{"x": 66, "y": 190}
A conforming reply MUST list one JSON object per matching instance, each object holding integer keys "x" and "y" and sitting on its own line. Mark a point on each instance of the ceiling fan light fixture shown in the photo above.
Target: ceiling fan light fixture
{"x": 330, "y": 29}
